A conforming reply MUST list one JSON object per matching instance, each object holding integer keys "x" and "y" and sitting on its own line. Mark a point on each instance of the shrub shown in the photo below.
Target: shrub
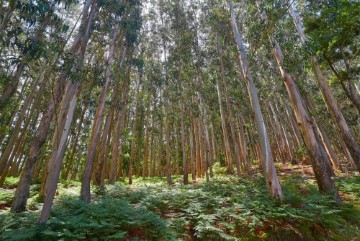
{"x": 71, "y": 219}
{"x": 11, "y": 182}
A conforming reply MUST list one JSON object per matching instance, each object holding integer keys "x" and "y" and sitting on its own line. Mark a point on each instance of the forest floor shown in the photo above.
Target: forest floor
{"x": 227, "y": 208}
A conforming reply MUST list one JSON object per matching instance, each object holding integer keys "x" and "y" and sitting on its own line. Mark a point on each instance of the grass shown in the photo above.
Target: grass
{"x": 227, "y": 208}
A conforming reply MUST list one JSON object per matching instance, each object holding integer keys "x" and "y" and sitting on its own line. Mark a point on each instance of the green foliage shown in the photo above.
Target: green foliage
{"x": 70, "y": 183}
{"x": 106, "y": 219}
{"x": 229, "y": 208}
{"x": 333, "y": 25}
{"x": 218, "y": 169}
{"x": 333, "y": 28}
{"x": 6, "y": 197}
{"x": 11, "y": 182}
{"x": 300, "y": 152}
{"x": 350, "y": 187}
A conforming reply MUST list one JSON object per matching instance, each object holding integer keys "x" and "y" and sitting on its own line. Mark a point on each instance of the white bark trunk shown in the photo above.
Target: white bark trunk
{"x": 271, "y": 177}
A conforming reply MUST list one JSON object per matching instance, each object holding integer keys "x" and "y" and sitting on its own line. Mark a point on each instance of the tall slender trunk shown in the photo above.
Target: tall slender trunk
{"x": 118, "y": 121}
{"x": 185, "y": 163}
{"x": 197, "y": 141}
{"x": 14, "y": 135}
{"x": 90, "y": 154}
{"x": 123, "y": 119}
{"x": 324, "y": 137}
{"x": 160, "y": 150}
{"x": 103, "y": 153}
{"x": 75, "y": 144}
{"x": 293, "y": 124}
{"x": 315, "y": 149}
{"x": 60, "y": 139}
{"x": 135, "y": 132}
{"x": 192, "y": 149}
{"x": 331, "y": 102}
{"x": 271, "y": 177}
{"x": 204, "y": 149}
{"x": 213, "y": 144}
{"x": 280, "y": 139}
{"x": 288, "y": 137}
{"x": 168, "y": 160}
{"x": 228, "y": 153}
{"x": 208, "y": 146}
{"x": 242, "y": 144}
{"x": 17, "y": 146}
{"x": 152, "y": 146}
{"x": 85, "y": 184}
{"x": 231, "y": 116}
{"x": 22, "y": 191}
{"x": 146, "y": 153}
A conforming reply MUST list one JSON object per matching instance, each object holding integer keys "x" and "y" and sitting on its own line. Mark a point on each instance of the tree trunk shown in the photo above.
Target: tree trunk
{"x": 85, "y": 184}
{"x": 104, "y": 146}
{"x": 271, "y": 178}
{"x": 242, "y": 144}
{"x": 69, "y": 166}
{"x": 160, "y": 150}
{"x": 146, "y": 154}
{"x": 152, "y": 146}
{"x": 135, "y": 124}
{"x": 208, "y": 154}
{"x": 168, "y": 160}
{"x": 59, "y": 141}
{"x": 192, "y": 149}
{"x": 185, "y": 166}
{"x": 318, "y": 160}
{"x": 228, "y": 153}
{"x": 345, "y": 131}
{"x": 22, "y": 191}
{"x": 117, "y": 121}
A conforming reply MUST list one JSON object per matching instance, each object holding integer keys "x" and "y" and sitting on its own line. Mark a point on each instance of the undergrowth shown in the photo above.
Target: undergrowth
{"x": 227, "y": 208}
{"x": 11, "y": 182}
{"x": 72, "y": 219}
{"x": 230, "y": 208}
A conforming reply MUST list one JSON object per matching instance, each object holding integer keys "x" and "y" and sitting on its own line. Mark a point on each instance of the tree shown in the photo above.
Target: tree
{"x": 271, "y": 178}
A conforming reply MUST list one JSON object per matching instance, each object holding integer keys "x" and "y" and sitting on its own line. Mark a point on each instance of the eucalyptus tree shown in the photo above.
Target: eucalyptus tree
{"x": 130, "y": 22}
{"x": 180, "y": 59}
{"x": 29, "y": 36}
{"x": 331, "y": 102}
{"x": 317, "y": 153}
{"x": 77, "y": 49}
{"x": 334, "y": 36}
{"x": 271, "y": 178}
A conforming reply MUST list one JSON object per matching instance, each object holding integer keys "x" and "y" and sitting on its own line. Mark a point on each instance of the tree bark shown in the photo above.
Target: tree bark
{"x": 242, "y": 144}
{"x": 345, "y": 131}
{"x": 85, "y": 184}
{"x": 318, "y": 160}
{"x": 60, "y": 139}
{"x": 184, "y": 160}
{"x": 168, "y": 160}
{"x": 22, "y": 191}
{"x": 271, "y": 177}
{"x": 228, "y": 153}
{"x": 146, "y": 153}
